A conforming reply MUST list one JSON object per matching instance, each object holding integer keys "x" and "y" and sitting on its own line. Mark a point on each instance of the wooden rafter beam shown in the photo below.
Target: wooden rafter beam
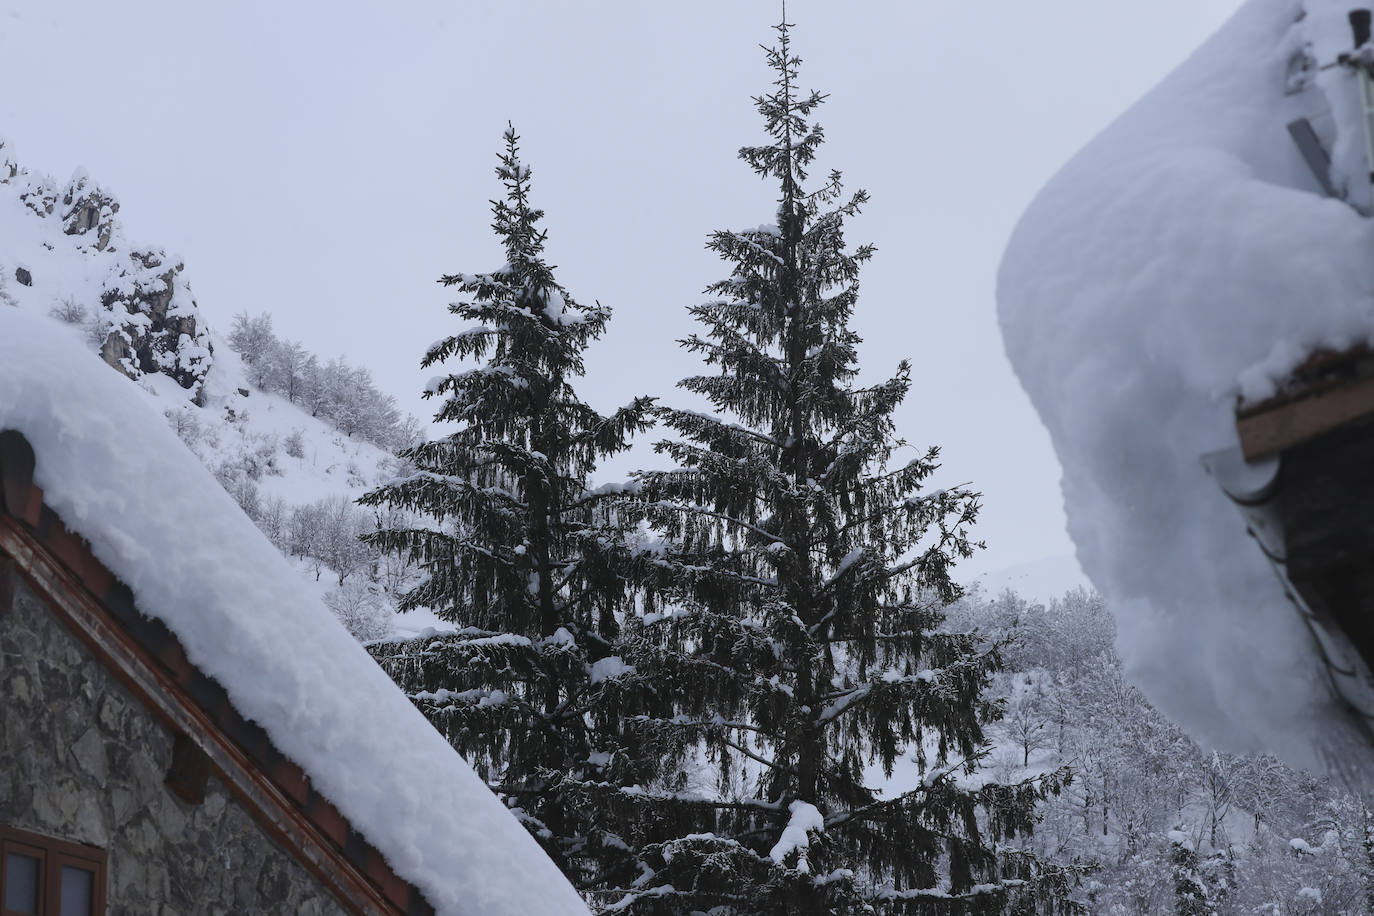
{"x": 1278, "y": 428}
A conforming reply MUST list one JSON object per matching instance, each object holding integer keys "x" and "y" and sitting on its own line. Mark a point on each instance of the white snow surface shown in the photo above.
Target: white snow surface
{"x": 115, "y": 473}
{"x": 805, "y": 818}
{"x": 612, "y": 666}
{"x": 1184, "y": 258}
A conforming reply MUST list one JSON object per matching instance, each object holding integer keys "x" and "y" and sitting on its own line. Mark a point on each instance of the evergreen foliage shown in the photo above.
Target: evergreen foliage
{"x": 790, "y": 634}
{"x": 511, "y": 549}
{"x": 1190, "y": 897}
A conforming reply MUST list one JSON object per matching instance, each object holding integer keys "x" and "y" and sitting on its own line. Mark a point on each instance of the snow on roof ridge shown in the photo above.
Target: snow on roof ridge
{"x": 113, "y": 471}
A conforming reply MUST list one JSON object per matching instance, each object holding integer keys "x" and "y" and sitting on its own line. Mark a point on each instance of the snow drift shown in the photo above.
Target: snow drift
{"x": 114, "y": 472}
{"x": 1185, "y": 258}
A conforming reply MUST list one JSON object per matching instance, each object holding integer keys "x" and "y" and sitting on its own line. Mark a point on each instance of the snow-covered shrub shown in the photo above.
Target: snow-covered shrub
{"x": 251, "y": 337}
{"x": 240, "y": 486}
{"x": 302, "y": 531}
{"x": 410, "y": 432}
{"x": 69, "y": 311}
{"x": 256, "y": 457}
{"x": 393, "y": 571}
{"x": 185, "y": 424}
{"x": 263, "y": 456}
{"x": 272, "y": 521}
{"x": 96, "y": 329}
{"x": 361, "y": 608}
{"x": 327, "y": 534}
{"x": 295, "y": 444}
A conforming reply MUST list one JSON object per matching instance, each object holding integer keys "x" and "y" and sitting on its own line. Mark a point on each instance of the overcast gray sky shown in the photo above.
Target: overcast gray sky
{"x": 326, "y": 162}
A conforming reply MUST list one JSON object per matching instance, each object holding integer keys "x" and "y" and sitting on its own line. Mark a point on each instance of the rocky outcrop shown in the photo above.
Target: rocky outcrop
{"x": 141, "y": 316}
{"x": 89, "y": 209}
{"x": 151, "y": 322}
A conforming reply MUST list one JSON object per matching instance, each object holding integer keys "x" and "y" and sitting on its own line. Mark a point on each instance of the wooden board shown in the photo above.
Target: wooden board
{"x": 1281, "y": 427}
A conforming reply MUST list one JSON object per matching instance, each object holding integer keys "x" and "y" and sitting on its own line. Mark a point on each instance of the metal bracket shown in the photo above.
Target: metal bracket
{"x": 1313, "y": 153}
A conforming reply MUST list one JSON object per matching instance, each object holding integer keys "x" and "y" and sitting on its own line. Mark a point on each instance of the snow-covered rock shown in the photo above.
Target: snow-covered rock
{"x": 67, "y": 254}
{"x": 116, "y": 474}
{"x": 1188, "y": 257}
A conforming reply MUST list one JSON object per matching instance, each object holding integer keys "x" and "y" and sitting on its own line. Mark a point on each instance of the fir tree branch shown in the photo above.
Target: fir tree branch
{"x": 721, "y": 516}
{"x": 757, "y": 758}
{"x": 720, "y": 804}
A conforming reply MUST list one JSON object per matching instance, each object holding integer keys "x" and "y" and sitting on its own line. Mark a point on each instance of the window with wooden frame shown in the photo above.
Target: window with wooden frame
{"x": 41, "y": 876}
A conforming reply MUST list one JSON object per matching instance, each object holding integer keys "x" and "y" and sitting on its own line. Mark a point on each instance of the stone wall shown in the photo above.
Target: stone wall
{"x": 82, "y": 760}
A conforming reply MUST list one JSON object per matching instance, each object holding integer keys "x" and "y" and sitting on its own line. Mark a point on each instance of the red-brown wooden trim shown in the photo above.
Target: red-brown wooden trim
{"x": 189, "y": 703}
{"x": 1277, "y": 428}
{"x": 98, "y": 881}
{"x": 13, "y": 841}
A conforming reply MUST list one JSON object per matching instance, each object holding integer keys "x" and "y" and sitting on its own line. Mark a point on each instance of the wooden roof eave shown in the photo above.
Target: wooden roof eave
{"x": 149, "y": 660}
{"x": 1328, "y": 391}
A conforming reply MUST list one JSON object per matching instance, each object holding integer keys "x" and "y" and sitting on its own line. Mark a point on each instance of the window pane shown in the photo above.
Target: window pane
{"x": 21, "y": 883}
{"x": 77, "y": 888}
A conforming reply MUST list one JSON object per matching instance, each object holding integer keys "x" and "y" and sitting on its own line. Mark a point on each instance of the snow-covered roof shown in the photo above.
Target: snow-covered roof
{"x": 114, "y": 472}
{"x": 1186, "y": 258}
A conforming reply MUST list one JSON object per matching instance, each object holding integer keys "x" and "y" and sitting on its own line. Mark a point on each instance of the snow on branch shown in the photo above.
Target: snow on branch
{"x": 796, "y": 836}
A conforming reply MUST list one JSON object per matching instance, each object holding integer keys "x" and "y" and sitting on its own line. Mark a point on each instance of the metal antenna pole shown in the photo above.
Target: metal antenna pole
{"x": 1360, "y": 29}
{"x": 1367, "y": 104}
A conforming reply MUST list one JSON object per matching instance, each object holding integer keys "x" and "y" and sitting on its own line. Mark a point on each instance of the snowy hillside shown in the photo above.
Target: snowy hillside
{"x": 64, "y": 256}
{"x": 1185, "y": 259}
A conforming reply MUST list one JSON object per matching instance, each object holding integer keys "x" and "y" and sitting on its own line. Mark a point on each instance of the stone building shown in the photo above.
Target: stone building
{"x": 135, "y": 782}
{"x": 125, "y": 775}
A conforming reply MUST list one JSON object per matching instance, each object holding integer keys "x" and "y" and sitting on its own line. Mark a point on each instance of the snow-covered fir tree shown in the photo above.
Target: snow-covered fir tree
{"x": 509, "y": 544}
{"x": 790, "y": 636}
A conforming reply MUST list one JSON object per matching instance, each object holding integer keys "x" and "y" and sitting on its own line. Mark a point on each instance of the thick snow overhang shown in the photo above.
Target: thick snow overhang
{"x": 118, "y": 520}
{"x": 211, "y": 734}
{"x": 1192, "y": 257}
